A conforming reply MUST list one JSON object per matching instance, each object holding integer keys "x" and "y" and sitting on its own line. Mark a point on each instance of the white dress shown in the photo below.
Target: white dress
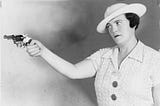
{"x": 131, "y": 83}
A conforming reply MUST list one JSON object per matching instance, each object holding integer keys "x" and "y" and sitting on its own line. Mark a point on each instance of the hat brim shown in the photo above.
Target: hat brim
{"x": 136, "y": 8}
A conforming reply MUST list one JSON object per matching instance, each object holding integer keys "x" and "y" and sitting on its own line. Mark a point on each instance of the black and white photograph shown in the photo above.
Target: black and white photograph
{"x": 80, "y": 52}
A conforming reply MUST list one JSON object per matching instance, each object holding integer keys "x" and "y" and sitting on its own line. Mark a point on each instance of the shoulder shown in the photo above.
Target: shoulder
{"x": 104, "y": 51}
{"x": 101, "y": 53}
{"x": 152, "y": 55}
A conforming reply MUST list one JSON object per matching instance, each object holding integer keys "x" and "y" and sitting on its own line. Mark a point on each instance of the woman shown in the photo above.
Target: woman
{"x": 127, "y": 74}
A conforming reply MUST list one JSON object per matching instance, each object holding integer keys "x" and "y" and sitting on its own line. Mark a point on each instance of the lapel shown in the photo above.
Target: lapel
{"x": 136, "y": 54}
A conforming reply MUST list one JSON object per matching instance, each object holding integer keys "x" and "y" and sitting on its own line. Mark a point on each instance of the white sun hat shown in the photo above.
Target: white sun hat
{"x": 118, "y": 9}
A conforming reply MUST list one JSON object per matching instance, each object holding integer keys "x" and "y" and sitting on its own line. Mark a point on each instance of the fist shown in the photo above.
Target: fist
{"x": 35, "y": 48}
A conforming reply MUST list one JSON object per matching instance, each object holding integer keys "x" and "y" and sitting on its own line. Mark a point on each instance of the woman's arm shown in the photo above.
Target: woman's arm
{"x": 83, "y": 69}
{"x": 156, "y": 95}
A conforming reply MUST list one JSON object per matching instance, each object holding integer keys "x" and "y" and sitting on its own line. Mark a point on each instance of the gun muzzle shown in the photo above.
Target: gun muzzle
{"x": 14, "y": 37}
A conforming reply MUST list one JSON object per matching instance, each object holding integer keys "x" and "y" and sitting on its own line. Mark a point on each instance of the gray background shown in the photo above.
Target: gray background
{"x": 68, "y": 28}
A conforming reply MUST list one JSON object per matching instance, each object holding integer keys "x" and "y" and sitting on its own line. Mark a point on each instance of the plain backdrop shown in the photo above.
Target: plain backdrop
{"x": 67, "y": 28}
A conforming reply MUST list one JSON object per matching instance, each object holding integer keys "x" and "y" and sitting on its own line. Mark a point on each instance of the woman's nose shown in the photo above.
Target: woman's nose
{"x": 114, "y": 28}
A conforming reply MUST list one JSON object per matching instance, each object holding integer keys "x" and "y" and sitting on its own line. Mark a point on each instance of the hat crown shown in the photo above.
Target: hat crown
{"x": 118, "y": 9}
{"x": 114, "y": 8}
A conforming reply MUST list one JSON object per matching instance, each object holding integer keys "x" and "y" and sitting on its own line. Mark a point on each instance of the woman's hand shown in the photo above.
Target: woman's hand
{"x": 35, "y": 48}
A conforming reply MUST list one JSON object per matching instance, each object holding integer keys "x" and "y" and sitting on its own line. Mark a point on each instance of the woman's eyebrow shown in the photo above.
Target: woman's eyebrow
{"x": 119, "y": 20}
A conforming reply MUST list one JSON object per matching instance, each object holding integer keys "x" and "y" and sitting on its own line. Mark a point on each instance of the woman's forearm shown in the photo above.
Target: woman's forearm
{"x": 64, "y": 67}
{"x": 83, "y": 69}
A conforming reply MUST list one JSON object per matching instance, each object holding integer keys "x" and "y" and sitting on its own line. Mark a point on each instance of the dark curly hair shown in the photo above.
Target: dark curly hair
{"x": 134, "y": 20}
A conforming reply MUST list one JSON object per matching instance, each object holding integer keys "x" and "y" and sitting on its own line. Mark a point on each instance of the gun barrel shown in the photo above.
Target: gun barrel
{"x": 8, "y": 36}
{"x": 14, "y": 37}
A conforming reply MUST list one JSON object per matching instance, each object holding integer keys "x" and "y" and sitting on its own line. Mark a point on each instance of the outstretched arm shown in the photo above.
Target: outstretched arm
{"x": 83, "y": 69}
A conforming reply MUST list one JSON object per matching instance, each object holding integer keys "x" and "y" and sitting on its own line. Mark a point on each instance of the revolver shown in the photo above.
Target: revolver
{"x": 19, "y": 40}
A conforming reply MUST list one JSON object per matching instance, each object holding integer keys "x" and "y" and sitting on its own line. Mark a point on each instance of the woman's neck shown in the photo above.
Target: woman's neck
{"x": 125, "y": 49}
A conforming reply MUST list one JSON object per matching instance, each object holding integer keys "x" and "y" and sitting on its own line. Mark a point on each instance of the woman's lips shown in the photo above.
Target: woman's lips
{"x": 116, "y": 36}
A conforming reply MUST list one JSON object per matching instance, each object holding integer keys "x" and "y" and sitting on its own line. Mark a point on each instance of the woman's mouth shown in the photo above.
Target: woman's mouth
{"x": 116, "y": 36}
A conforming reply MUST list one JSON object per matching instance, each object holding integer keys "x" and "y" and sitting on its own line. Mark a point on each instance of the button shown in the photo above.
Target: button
{"x": 113, "y": 96}
{"x": 115, "y": 84}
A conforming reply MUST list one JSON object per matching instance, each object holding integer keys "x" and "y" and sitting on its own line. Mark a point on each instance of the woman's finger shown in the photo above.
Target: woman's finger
{"x": 35, "y": 53}
{"x": 38, "y": 54}
{"x": 33, "y": 49}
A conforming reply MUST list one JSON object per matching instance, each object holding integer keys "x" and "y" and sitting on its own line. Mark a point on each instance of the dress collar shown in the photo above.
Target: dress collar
{"x": 137, "y": 53}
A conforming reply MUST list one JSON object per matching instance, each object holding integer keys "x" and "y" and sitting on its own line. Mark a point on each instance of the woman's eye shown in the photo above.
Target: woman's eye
{"x": 118, "y": 23}
{"x": 108, "y": 26}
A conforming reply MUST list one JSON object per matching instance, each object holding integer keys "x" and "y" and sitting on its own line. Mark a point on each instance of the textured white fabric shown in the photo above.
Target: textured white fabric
{"x": 137, "y": 74}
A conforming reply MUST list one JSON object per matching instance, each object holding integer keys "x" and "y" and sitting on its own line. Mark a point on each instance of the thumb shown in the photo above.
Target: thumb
{"x": 36, "y": 42}
{"x": 33, "y": 42}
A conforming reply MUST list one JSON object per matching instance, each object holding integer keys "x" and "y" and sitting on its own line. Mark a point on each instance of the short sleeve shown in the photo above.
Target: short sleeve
{"x": 156, "y": 72}
{"x": 96, "y": 58}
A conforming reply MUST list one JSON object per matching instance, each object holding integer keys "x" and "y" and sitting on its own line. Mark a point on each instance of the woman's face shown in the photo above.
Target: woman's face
{"x": 119, "y": 30}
